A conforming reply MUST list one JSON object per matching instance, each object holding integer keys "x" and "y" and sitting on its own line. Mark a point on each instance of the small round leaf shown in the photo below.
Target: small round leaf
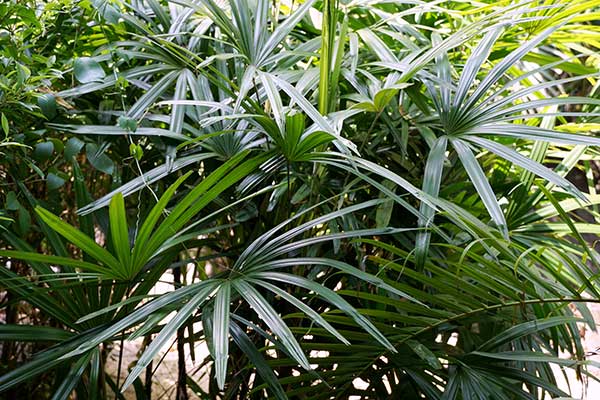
{"x": 43, "y": 151}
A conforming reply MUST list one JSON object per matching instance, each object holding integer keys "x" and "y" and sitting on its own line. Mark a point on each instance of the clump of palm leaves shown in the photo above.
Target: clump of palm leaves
{"x": 365, "y": 191}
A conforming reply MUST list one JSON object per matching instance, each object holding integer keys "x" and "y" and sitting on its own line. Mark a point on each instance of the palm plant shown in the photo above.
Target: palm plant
{"x": 376, "y": 192}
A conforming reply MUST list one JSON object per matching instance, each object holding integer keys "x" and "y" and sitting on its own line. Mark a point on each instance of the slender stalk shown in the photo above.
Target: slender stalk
{"x": 336, "y": 67}
{"x": 328, "y": 28}
{"x": 181, "y": 372}
{"x": 327, "y": 46}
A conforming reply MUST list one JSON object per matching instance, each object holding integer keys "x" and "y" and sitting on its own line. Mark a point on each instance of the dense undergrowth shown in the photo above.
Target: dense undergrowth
{"x": 396, "y": 193}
